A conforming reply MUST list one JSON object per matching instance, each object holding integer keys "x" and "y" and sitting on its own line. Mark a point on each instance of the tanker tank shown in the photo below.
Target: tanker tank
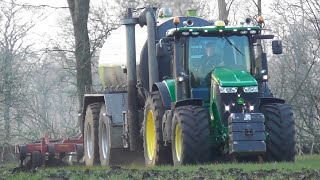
{"x": 113, "y": 53}
{"x": 113, "y": 56}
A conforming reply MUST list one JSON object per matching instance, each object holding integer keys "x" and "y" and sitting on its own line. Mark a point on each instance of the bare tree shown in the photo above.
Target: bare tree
{"x": 179, "y": 7}
{"x": 13, "y": 50}
{"x": 223, "y": 12}
{"x": 12, "y": 33}
{"x": 298, "y": 25}
{"x": 233, "y": 11}
{"x": 79, "y": 10}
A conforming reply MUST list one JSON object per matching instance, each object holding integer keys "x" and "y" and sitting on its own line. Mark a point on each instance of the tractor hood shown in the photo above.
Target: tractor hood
{"x": 232, "y": 77}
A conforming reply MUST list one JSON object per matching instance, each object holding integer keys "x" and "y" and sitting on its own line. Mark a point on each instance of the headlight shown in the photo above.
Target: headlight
{"x": 250, "y": 89}
{"x": 228, "y": 89}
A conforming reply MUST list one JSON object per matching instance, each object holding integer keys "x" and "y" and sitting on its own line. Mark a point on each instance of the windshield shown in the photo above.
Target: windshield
{"x": 205, "y": 53}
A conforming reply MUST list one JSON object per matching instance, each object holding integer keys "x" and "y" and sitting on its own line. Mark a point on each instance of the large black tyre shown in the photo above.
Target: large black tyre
{"x": 190, "y": 135}
{"x": 104, "y": 137}
{"x": 281, "y": 132}
{"x": 91, "y": 131}
{"x": 36, "y": 159}
{"x": 155, "y": 153}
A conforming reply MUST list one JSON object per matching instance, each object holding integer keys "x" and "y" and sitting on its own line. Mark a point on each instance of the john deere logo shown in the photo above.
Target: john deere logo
{"x": 240, "y": 101}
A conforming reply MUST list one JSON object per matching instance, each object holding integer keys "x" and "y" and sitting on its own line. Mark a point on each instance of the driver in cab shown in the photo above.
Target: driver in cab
{"x": 211, "y": 57}
{"x": 201, "y": 70}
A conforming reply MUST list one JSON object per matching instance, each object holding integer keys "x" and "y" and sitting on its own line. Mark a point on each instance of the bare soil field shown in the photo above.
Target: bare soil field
{"x": 305, "y": 167}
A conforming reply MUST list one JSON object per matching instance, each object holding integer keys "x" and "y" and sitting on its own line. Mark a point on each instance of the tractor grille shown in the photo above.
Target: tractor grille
{"x": 232, "y": 101}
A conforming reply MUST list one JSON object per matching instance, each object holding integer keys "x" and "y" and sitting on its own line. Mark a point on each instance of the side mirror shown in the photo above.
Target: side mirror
{"x": 277, "y": 47}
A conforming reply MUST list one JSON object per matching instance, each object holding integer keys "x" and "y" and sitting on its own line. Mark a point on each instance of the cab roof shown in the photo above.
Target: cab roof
{"x": 208, "y": 30}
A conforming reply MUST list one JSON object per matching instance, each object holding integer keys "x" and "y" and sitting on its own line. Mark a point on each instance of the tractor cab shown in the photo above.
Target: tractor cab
{"x": 207, "y": 53}
{"x": 211, "y": 50}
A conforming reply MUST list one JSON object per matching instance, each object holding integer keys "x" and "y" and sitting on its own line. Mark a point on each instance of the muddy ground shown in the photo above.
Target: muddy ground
{"x": 117, "y": 172}
{"x": 305, "y": 167}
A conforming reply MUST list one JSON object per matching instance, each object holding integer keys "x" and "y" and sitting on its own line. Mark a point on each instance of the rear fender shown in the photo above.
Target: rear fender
{"x": 186, "y": 102}
{"x": 164, "y": 93}
{"x": 87, "y": 100}
{"x": 268, "y": 100}
{"x": 166, "y": 99}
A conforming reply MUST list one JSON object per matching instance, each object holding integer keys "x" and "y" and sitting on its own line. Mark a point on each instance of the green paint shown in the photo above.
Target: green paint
{"x": 216, "y": 124}
{"x": 192, "y": 12}
{"x": 233, "y": 77}
{"x": 222, "y": 76}
{"x": 171, "y": 88}
{"x": 220, "y": 133}
{"x": 240, "y": 101}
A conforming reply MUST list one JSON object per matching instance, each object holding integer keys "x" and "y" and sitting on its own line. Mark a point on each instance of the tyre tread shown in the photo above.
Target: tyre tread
{"x": 194, "y": 122}
{"x": 280, "y": 127}
{"x": 162, "y": 155}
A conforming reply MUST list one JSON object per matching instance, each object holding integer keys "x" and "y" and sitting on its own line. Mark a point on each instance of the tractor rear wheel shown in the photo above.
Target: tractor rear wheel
{"x": 190, "y": 135}
{"x": 281, "y": 132}
{"x": 155, "y": 153}
{"x": 91, "y": 125}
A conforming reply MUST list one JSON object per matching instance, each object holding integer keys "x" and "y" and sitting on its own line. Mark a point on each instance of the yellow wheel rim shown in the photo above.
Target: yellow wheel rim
{"x": 178, "y": 142}
{"x": 151, "y": 135}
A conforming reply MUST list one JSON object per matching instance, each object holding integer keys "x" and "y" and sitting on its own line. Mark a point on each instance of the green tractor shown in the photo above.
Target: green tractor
{"x": 185, "y": 93}
{"x": 219, "y": 105}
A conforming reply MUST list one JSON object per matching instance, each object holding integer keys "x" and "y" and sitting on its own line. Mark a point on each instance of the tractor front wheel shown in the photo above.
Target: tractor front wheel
{"x": 91, "y": 125}
{"x": 190, "y": 135}
{"x": 155, "y": 153}
{"x": 281, "y": 132}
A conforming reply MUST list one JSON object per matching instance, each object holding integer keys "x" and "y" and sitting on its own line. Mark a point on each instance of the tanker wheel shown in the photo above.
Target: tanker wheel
{"x": 155, "y": 153}
{"x": 104, "y": 137}
{"x": 281, "y": 132}
{"x": 36, "y": 159}
{"x": 190, "y": 135}
{"x": 91, "y": 131}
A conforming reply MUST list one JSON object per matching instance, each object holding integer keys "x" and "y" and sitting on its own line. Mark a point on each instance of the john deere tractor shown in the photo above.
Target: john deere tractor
{"x": 182, "y": 105}
{"x": 219, "y": 106}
